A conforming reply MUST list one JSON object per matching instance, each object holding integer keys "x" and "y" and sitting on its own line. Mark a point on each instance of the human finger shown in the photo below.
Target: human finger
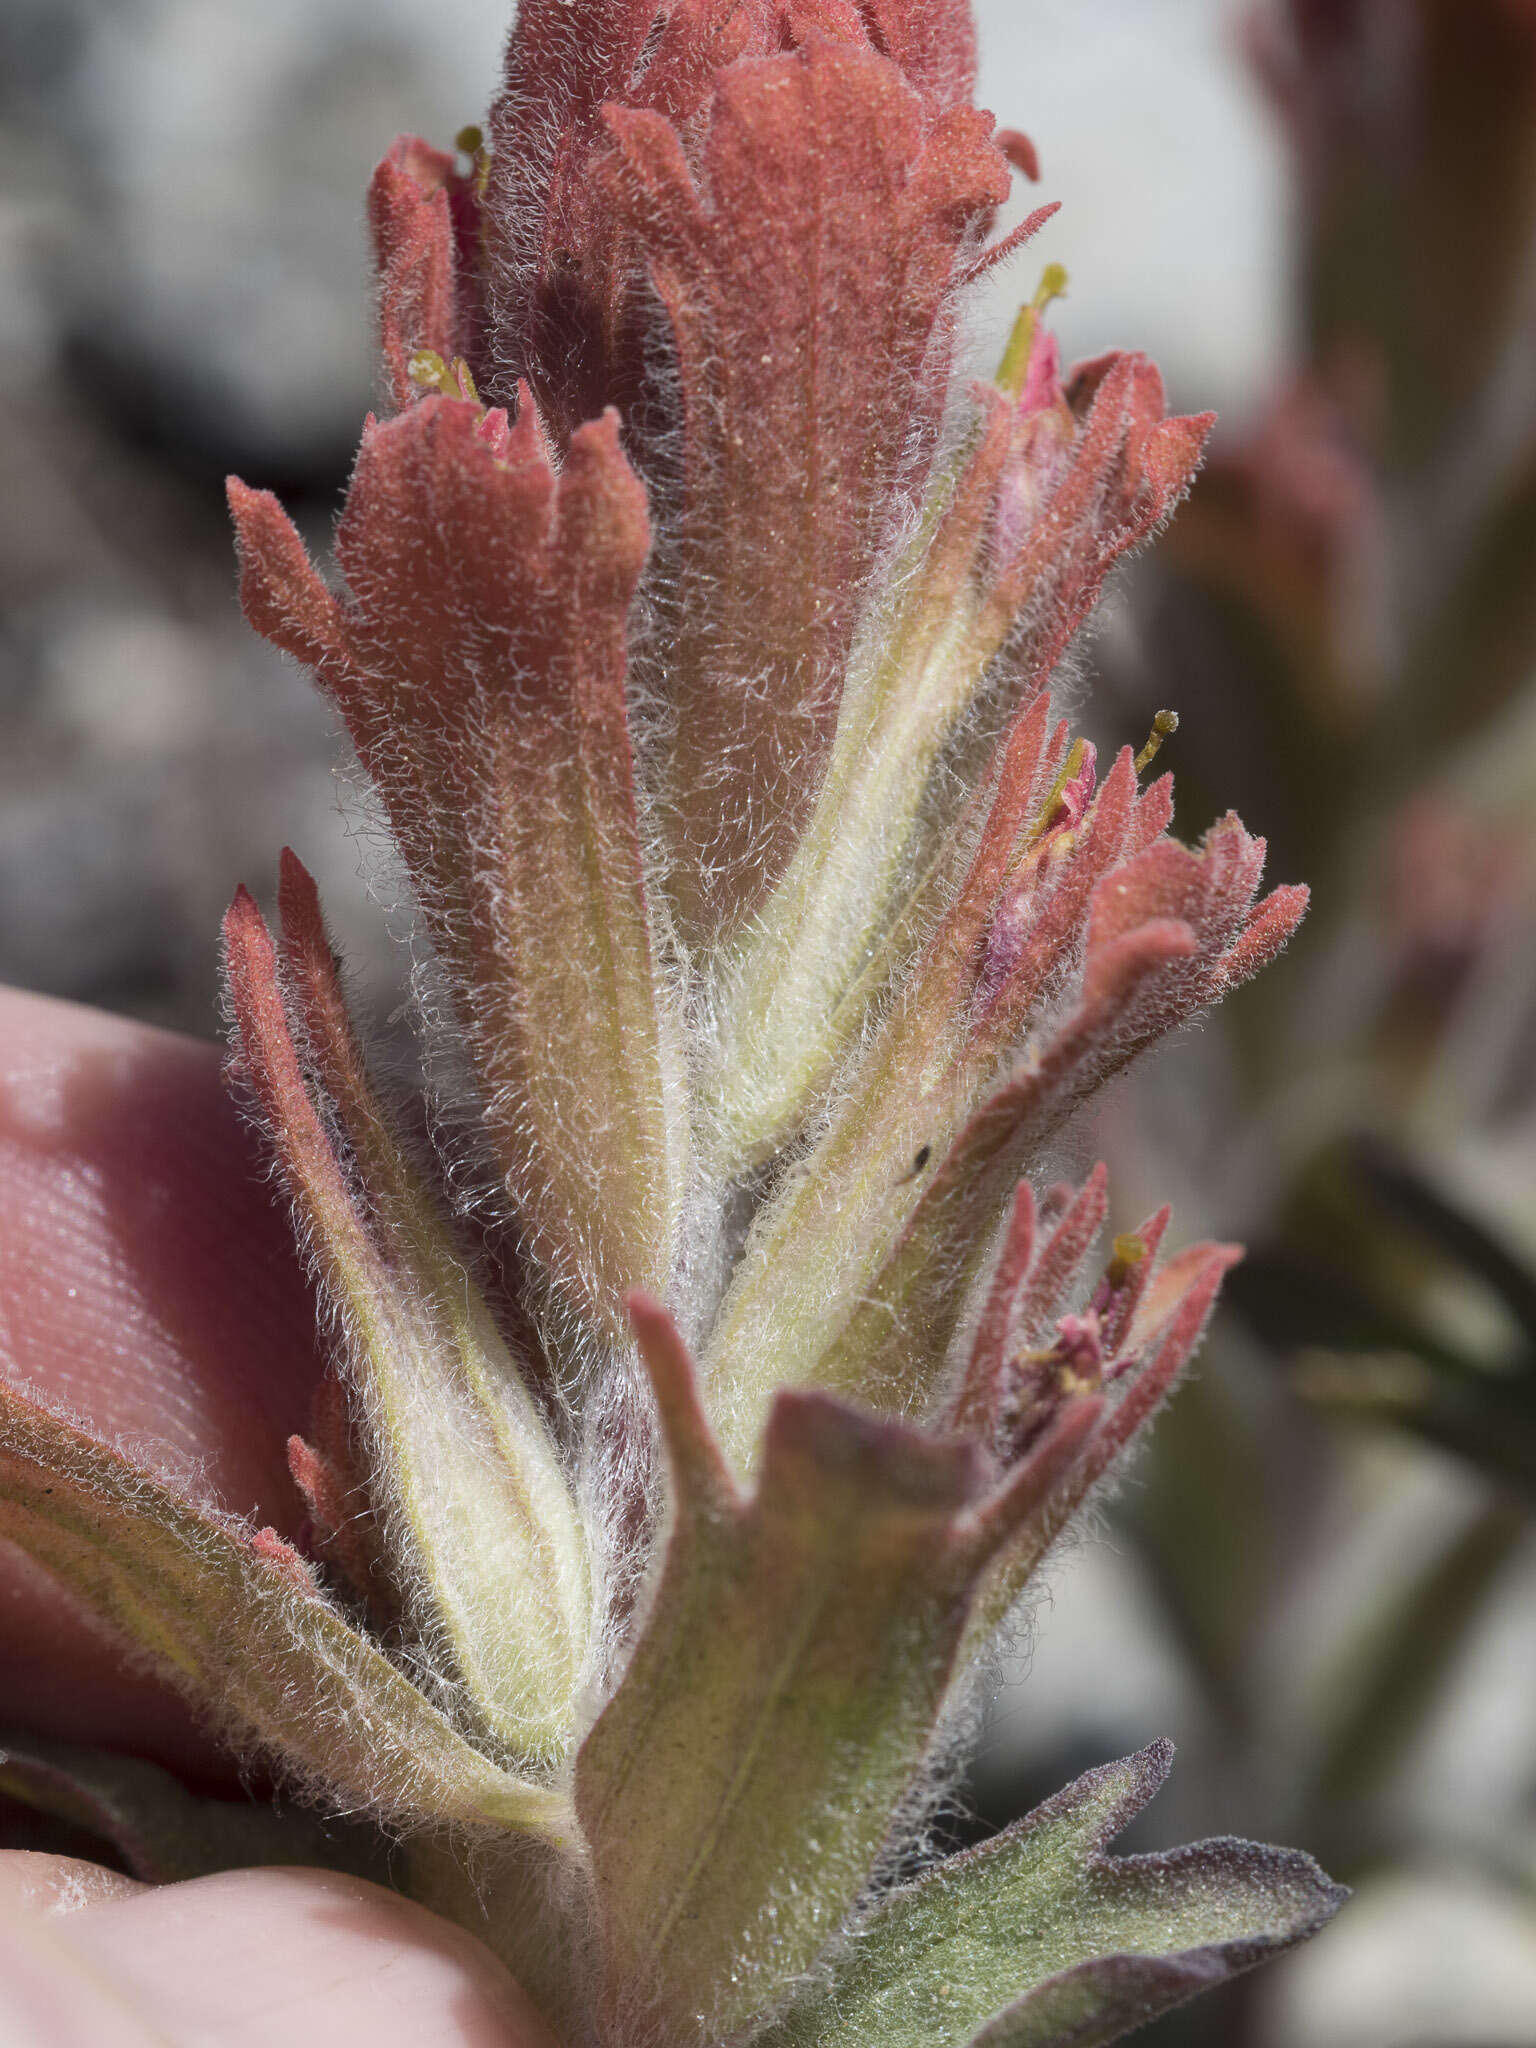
{"x": 148, "y": 1281}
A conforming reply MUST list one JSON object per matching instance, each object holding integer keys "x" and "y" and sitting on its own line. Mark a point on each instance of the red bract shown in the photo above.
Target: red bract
{"x": 807, "y": 299}
{"x": 1032, "y": 1363}
{"x": 564, "y": 285}
{"x": 747, "y": 226}
{"x": 1103, "y": 938}
{"x": 1090, "y": 469}
{"x": 425, "y": 218}
{"x": 479, "y": 663}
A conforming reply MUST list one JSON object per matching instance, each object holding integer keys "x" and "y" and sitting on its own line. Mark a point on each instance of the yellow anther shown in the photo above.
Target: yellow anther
{"x": 1052, "y": 285}
{"x": 1014, "y": 367}
{"x": 1070, "y": 769}
{"x": 1163, "y": 726}
{"x": 1126, "y": 1254}
{"x": 471, "y": 141}
{"x": 429, "y": 370}
{"x": 449, "y": 380}
{"x": 1030, "y": 839}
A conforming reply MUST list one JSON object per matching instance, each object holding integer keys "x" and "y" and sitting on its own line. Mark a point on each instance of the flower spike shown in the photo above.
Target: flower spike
{"x": 714, "y": 1357}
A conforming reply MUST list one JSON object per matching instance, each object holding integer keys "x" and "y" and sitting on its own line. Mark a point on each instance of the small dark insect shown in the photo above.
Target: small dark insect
{"x": 923, "y": 1155}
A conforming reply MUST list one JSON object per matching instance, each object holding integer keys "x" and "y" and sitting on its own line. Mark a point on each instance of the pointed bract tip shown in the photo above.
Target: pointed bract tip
{"x": 1158, "y": 1757}
{"x": 298, "y": 893}
{"x": 645, "y": 1312}
{"x": 1020, "y": 151}
{"x": 698, "y": 1467}
{"x": 250, "y": 507}
{"x": 244, "y": 912}
{"x": 668, "y": 1361}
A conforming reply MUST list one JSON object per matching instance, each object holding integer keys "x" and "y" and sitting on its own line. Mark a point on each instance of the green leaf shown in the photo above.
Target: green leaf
{"x": 236, "y": 1620}
{"x": 740, "y": 1785}
{"x": 1040, "y": 1940}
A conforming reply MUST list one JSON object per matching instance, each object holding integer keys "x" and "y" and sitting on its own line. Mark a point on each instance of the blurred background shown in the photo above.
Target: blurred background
{"x": 1320, "y": 217}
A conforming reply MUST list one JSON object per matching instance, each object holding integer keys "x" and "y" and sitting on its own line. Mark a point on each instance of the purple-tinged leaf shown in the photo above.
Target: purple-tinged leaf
{"x": 1039, "y": 1939}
